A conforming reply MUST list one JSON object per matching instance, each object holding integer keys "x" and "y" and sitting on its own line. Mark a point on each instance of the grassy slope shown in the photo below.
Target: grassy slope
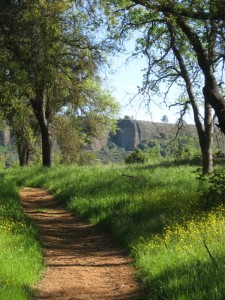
{"x": 151, "y": 209}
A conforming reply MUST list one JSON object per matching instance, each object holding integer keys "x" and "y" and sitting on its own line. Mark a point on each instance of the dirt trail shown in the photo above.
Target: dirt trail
{"x": 82, "y": 262}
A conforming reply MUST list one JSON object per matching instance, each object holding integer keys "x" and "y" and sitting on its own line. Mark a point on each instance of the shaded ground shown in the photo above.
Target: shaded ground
{"x": 82, "y": 262}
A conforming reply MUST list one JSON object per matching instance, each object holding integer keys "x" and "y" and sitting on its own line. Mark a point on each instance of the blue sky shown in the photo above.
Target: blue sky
{"x": 123, "y": 84}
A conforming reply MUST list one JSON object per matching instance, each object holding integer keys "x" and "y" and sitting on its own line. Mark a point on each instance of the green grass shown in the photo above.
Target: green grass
{"x": 187, "y": 261}
{"x": 155, "y": 212}
{"x": 20, "y": 252}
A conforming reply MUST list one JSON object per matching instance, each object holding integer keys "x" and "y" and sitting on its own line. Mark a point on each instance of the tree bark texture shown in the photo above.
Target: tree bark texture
{"x": 43, "y": 114}
{"x": 208, "y": 140}
{"x": 211, "y": 90}
{"x": 24, "y": 155}
{"x": 205, "y": 133}
{"x": 47, "y": 145}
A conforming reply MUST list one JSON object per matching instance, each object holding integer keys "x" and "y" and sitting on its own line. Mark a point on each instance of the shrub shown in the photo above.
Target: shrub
{"x": 86, "y": 158}
{"x": 212, "y": 189}
{"x": 137, "y": 156}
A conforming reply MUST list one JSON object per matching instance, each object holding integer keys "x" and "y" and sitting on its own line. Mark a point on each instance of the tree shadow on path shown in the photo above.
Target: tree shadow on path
{"x": 82, "y": 262}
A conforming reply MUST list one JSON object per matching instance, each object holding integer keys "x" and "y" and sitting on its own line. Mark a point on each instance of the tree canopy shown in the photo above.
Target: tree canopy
{"x": 199, "y": 29}
{"x": 51, "y": 53}
{"x": 50, "y": 58}
{"x": 183, "y": 42}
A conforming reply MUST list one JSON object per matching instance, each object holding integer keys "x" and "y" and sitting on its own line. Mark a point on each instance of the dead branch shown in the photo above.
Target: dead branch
{"x": 210, "y": 255}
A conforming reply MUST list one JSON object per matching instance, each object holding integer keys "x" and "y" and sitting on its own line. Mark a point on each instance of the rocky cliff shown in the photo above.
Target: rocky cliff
{"x": 131, "y": 132}
{"x": 5, "y": 137}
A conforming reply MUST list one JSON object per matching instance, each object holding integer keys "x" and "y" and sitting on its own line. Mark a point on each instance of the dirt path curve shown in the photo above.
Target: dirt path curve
{"x": 82, "y": 262}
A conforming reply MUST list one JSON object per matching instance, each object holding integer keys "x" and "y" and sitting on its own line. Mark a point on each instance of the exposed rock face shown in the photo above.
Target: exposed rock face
{"x": 127, "y": 136}
{"x": 131, "y": 132}
{"x": 98, "y": 144}
{"x": 5, "y": 137}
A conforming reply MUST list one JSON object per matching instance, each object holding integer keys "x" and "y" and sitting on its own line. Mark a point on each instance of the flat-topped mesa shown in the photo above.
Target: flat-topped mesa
{"x": 131, "y": 132}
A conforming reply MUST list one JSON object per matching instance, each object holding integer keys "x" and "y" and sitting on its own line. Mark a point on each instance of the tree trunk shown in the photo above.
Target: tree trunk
{"x": 23, "y": 154}
{"x": 208, "y": 141}
{"x": 215, "y": 98}
{"x": 211, "y": 90}
{"x": 205, "y": 135}
{"x": 46, "y": 137}
{"x": 207, "y": 160}
{"x": 43, "y": 114}
{"x": 27, "y": 156}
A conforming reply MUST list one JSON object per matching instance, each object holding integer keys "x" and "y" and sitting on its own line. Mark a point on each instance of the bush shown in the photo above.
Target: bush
{"x": 212, "y": 189}
{"x": 86, "y": 158}
{"x": 137, "y": 156}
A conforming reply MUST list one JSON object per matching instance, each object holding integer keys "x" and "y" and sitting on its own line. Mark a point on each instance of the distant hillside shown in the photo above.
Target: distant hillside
{"x": 131, "y": 132}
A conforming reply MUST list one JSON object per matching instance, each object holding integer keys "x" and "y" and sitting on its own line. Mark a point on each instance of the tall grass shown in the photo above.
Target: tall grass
{"x": 187, "y": 261}
{"x": 20, "y": 252}
{"x": 154, "y": 211}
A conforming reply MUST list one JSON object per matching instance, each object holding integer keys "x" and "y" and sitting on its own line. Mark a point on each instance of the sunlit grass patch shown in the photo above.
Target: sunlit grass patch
{"x": 20, "y": 252}
{"x": 186, "y": 259}
{"x": 152, "y": 210}
{"x": 10, "y": 226}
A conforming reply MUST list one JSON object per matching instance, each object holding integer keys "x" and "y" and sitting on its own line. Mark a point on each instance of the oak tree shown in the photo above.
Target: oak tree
{"x": 57, "y": 60}
{"x": 181, "y": 40}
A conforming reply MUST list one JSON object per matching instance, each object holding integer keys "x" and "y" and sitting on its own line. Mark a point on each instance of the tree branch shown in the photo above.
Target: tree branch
{"x": 187, "y": 12}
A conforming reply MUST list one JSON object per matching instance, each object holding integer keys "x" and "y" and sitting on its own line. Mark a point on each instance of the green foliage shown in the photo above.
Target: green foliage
{"x": 56, "y": 69}
{"x": 86, "y": 158}
{"x": 111, "y": 154}
{"x": 17, "y": 113}
{"x": 8, "y": 156}
{"x": 146, "y": 144}
{"x": 136, "y": 156}
{"x": 69, "y": 140}
{"x": 154, "y": 154}
{"x": 183, "y": 147}
{"x": 212, "y": 189}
